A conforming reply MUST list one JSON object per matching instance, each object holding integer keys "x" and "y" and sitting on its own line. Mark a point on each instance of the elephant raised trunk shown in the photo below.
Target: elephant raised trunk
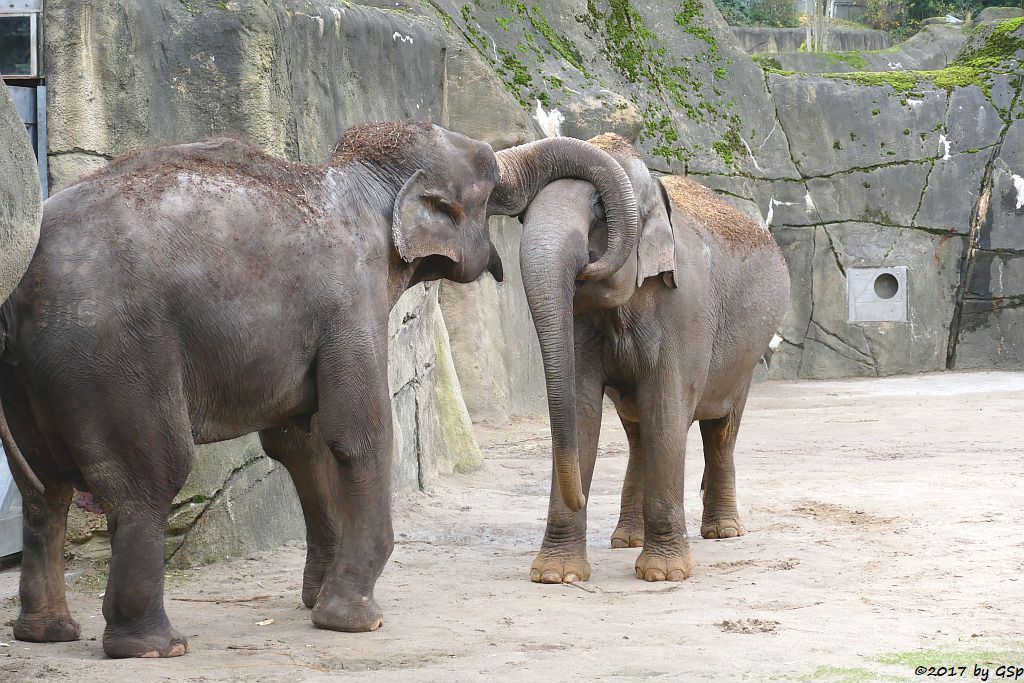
{"x": 549, "y": 274}
{"x": 526, "y": 169}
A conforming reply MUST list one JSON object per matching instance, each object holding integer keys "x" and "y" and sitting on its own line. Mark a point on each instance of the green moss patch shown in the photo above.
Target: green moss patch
{"x": 975, "y": 67}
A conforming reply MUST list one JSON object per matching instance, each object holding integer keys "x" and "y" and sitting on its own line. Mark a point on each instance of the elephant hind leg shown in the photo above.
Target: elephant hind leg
{"x": 721, "y": 518}
{"x": 314, "y": 472}
{"x": 44, "y": 615}
{"x": 629, "y": 532}
{"x": 135, "y": 457}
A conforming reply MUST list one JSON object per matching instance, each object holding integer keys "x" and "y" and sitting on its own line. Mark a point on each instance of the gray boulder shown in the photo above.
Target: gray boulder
{"x": 20, "y": 197}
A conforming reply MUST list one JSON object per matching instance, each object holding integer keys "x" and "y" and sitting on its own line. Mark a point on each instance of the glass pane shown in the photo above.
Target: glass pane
{"x": 15, "y": 46}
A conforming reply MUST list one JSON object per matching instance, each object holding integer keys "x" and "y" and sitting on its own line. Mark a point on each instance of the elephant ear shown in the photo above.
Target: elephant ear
{"x": 656, "y": 248}
{"x": 420, "y": 225}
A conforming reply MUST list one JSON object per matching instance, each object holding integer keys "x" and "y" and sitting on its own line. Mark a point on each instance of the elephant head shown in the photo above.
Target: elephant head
{"x": 450, "y": 184}
{"x": 565, "y": 223}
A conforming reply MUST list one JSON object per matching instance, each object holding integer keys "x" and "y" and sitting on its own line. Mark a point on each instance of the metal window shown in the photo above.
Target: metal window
{"x": 19, "y": 45}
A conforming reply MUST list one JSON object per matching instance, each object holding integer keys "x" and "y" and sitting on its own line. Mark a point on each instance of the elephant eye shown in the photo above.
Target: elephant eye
{"x": 439, "y": 204}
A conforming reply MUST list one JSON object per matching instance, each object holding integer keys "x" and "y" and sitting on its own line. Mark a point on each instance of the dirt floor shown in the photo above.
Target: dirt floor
{"x": 885, "y": 527}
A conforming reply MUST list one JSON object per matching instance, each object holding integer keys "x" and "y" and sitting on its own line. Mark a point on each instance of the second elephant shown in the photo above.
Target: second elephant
{"x": 672, "y": 337}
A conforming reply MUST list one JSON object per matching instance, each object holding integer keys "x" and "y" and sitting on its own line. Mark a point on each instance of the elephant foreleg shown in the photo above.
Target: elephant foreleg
{"x": 355, "y": 422}
{"x": 721, "y": 518}
{"x": 629, "y": 532}
{"x": 666, "y": 412}
{"x": 563, "y": 554}
{"x": 314, "y": 472}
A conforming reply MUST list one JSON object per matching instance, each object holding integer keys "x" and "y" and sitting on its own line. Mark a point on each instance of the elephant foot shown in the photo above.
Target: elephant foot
{"x": 36, "y": 628}
{"x": 313, "y": 577}
{"x": 167, "y": 643}
{"x": 670, "y": 564}
{"x": 727, "y": 526}
{"x": 353, "y": 615}
{"x": 628, "y": 534}
{"x": 559, "y": 566}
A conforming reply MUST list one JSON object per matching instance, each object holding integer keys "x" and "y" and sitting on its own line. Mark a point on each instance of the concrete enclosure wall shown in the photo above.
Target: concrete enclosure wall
{"x": 839, "y": 38}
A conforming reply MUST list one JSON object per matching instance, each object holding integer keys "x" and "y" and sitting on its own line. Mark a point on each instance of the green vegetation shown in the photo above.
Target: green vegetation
{"x": 779, "y": 13}
{"x": 668, "y": 82}
{"x": 527, "y": 21}
{"x": 853, "y": 58}
{"x": 767, "y": 62}
{"x": 954, "y": 657}
{"x": 972, "y": 68}
{"x": 688, "y": 19}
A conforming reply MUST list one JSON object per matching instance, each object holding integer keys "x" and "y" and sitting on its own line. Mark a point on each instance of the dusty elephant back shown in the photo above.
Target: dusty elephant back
{"x": 716, "y": 215}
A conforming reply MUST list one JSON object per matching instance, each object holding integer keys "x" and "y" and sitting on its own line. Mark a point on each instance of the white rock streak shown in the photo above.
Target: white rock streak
{"x": 396, "y": 36}
{"x": 772, "y": 203}
{"x": 1018, "y": 184}
{"x": 944, "y": 141}
{"x": 549, "y": 121}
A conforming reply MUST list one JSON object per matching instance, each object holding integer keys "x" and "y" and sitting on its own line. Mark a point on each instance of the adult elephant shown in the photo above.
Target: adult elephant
{"x": 194, "y": 293}
{"x": 672, "y": 336}
{"x": 20, "y": 203}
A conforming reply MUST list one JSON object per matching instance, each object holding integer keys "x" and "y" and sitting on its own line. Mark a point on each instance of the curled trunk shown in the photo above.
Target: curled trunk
{"x": 527, "y": 169}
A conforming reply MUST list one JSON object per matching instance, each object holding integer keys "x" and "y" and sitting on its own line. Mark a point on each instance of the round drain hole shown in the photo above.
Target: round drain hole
{"x": 886, "y": 286}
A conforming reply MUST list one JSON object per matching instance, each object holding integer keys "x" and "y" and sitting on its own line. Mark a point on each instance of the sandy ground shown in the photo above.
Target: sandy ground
{"x": 885, "y": 532}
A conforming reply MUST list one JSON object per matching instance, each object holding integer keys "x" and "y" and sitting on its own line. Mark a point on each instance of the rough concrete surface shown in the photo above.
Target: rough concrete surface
{"x": 766, "y": 39}
{"x": 933, "y": 47}
{"x": 884, "y": 526}
{"x": 20, "y": 197}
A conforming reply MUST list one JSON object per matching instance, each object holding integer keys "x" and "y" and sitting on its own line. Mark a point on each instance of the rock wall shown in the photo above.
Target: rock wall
{"x": 291, "y": 77}
{"x": 756, "y": 39}
{"x": 20, "y": 202}
{"x": 933, "y": 47}
{"x": 861, "y": 170}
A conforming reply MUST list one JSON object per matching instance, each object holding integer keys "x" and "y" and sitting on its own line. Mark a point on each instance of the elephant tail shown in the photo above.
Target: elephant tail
{"x": 14, "y": 454}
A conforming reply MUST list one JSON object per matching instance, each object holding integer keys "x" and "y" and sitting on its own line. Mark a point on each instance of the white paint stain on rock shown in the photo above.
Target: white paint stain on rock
{"x": 772, "y": 203}
{"x": 396, "y": 36}
{"x": 751, "y": 153}
{"x": 550, "y": 122}
{"x": 1018, "y": 184}
{"x": 944, "y": 141}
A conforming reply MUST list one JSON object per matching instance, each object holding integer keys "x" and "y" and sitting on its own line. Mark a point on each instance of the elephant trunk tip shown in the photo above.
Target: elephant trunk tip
{"x": 570, "y": 486}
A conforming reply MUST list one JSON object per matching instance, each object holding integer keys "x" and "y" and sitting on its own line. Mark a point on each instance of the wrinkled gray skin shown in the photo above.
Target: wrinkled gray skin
{"x": 199, "y": 292}
{"x": 672, "y": 337}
